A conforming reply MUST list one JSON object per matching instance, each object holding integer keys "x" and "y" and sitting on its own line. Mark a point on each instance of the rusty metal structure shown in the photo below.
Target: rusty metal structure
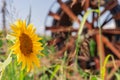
{"x": 64, "y": 28}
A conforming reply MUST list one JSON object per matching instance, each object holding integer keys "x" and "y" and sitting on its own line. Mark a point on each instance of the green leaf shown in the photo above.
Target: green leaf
{"x": 1, "y": 43}
{"x": 103, "y": 68}
{"x": 117, "y": 76}
{"x": 11, "y": 38}
{"x": 93, "y": 78}
{"x": 92, "y": 47}
{"x": 29, "y": 16}
{"x": 7, "y": 61}
{"x": 4, "y": 65}
{"x": 1, "y": 70}
{"x": 84, "y": 20}
{"x": 82, "y": 26}
{"x": 54, "y": 72}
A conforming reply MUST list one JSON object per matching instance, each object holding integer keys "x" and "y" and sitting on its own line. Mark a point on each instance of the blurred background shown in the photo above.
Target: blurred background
{"x": 36, "y": 10}
{"x": 21, "y": 9}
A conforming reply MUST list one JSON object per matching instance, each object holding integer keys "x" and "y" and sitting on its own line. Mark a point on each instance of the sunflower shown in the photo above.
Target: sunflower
{"x": 26, "y": 46}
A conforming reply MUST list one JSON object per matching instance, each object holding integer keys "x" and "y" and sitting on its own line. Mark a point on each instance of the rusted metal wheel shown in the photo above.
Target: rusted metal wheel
{"x": 65, "y": 17}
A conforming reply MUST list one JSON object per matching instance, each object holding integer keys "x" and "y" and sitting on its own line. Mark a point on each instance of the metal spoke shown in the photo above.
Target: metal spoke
{"x": 54, "y": 15}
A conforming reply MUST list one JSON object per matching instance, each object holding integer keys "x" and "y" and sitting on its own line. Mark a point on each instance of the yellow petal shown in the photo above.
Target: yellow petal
{"x": 23, "y": 63}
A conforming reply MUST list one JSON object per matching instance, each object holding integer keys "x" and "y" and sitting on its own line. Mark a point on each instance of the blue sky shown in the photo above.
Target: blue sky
{"x": 20, "y": 9}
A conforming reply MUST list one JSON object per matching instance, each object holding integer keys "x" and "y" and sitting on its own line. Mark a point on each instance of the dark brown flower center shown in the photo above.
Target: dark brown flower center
{"x": 26, "y": 45}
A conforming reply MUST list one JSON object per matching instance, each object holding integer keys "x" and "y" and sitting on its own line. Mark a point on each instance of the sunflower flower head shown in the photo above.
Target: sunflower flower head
{"x": 26, "y": 46}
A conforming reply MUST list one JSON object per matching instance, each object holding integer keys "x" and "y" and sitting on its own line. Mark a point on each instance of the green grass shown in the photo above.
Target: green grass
{"x": 52, "y": 68}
